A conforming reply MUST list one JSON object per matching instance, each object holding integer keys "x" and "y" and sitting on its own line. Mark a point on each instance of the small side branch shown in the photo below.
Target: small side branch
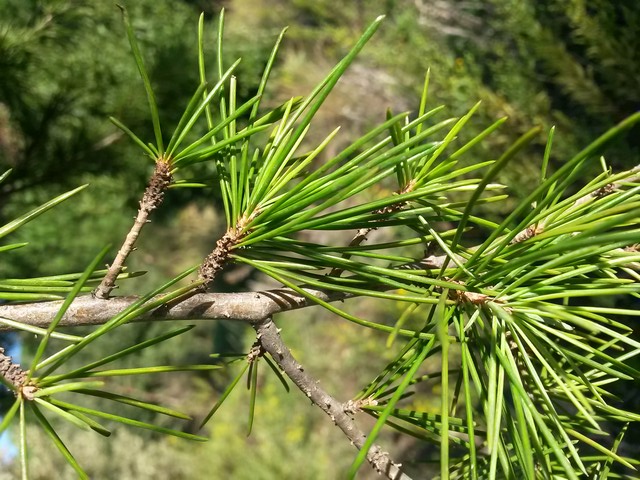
{"x": 271, "y": 341}
{"x": 362, "y": 234}
{"x": 152, "y": 199}
{"x": 220, "y": 256}
{"x": 608, "y": 189}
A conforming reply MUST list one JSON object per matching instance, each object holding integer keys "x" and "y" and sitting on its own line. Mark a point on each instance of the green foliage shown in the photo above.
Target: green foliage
{"x": 520, "y": 331}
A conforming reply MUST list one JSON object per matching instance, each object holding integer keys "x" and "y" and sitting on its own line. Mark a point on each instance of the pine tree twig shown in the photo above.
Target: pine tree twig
{"x": 215, "y": 262}
{"x": 269, "y": 337}
{"x": 151, "y": 199}
{"x": 608, "y": 189}
{"x": 244, "y": 306}
{"x": 362, "y": 234}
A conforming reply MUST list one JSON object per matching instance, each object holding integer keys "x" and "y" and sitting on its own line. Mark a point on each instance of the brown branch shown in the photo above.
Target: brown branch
{"x": 152, "y": 199}
{"x": 244, "y": 306}
{"x": 247, "y": 307}
{"x": 269, "y": 337}
{"x": 219, "y": 257}
{"x": 12, "y": 373}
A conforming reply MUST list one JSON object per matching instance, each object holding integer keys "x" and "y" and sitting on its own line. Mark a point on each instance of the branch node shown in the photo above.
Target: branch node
{"x": 256, "y": 352}
{"x": 527, "y": 233}
{"x": 604, "y": 191}
{"x": 28, "y": 392}
{"x": 219, "y": 257}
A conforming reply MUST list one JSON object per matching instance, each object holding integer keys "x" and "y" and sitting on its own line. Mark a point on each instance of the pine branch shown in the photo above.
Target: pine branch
{"x": 632, "y": 175}
{"x": 246, "y": 306}
{"x": 151, "y": 199}
{"x": 242, "y": 306}
{"x": 269, "y": 337}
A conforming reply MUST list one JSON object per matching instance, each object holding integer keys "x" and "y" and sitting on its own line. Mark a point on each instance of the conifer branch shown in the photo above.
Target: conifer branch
{"x": 151, "y": 199}
{"x": 269, "y": 337}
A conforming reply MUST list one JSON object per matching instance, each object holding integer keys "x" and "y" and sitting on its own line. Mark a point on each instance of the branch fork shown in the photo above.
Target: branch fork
{"x": 268, "y": 336}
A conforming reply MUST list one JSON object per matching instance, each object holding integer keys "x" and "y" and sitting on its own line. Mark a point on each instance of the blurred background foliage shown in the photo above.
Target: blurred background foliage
{"x": 65, "y": 66}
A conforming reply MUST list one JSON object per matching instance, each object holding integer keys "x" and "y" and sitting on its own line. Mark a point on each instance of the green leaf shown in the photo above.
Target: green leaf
{"x": 423, "y": 173}
{"x": 614, "y": 448}
{"x": 185, "y": 125}
{"x": 224, "y": 395}
{"x": 153, "y": 107}
{"x": 58, "y": 443}
{"x": 567, "y": 173}
{"x": 93, "y": 425}
{"x": 135, "y": 403}
{"x": 277, "y": 275}
{"x": 277, "y": 371}
{"x": 139, "y": 307}
{"x": 62, "y": 413}
{"x": 23, "y": 442}
{"x": 188, "y": 114}
{"x": 442, "y": 332}
{"x": 277, "y": 113}
{"x": 202, "y": 154}
{"x": 253, "y": 392}
{"x": 424, "y": 349}
{"x": 497, "y": 167}
{"x": 3, "y": 176}
{"x": 192, "y": 149}
{"x": 536, "y": 418}
{"x": 122, "y": 353}
{"x": 467, "y": 361}
{"x": 201, "y": 68}
{"x": 13, "y": 246}
{"x": 595, "y": 445}
{"x": 9, "y": 414}
{"x": 220, "y": 57}
{"x": 266, "y": 73}
{"x": 128, "y": 421}
{"x": 148, "y": 370}
{"x": 29, "y": 297}
{"x": 146, "y": 148}
{"x": 66, "y": 387}
{"x": 316, "y": 98}
{"x": 38, "y": 331}
{"x": 423, "y": 98}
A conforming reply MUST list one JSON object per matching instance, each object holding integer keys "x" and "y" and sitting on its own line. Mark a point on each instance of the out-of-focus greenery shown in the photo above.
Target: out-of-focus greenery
{"x": 65, "y": 66}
